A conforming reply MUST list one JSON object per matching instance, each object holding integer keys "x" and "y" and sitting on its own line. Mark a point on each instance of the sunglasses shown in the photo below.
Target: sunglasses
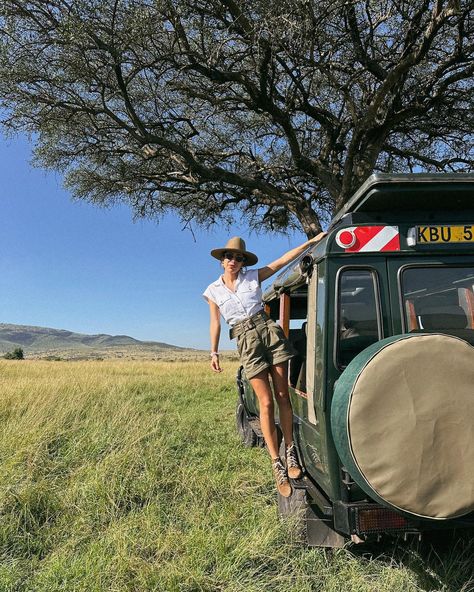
{"x": 238, "y": 258}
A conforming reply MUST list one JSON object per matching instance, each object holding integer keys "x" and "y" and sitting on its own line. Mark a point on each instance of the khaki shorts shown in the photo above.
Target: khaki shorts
{"x": 262, "y": 344}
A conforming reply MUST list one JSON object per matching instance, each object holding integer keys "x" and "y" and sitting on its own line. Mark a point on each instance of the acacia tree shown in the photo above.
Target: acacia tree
{"x": 213, "y": 108}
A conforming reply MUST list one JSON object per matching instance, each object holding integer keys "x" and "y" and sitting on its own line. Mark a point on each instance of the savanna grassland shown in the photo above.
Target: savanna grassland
{"x": 128, "y": 476}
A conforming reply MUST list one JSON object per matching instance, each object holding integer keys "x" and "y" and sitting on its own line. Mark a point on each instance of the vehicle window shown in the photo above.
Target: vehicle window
{"x": 357, "y": 315}
{"x": 439, "y": 300}
{"x": 298, "y": 337}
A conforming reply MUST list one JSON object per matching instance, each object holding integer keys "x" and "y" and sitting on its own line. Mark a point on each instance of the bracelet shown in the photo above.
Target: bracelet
{"x": 214, "y": 354}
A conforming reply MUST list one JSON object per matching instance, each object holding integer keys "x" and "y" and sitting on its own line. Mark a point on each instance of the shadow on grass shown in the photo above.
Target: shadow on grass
{"x": 443, "y": 562}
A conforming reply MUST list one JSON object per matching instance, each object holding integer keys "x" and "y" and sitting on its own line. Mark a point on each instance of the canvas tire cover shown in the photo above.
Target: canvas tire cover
{"x": 402, "y": 419}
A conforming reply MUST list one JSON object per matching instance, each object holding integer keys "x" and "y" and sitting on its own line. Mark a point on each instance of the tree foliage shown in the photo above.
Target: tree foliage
{"x": 215, "y": 108}
{"x": 16, "y": 354}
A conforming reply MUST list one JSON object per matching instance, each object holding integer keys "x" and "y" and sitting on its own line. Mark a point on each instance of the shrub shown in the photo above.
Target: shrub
{"x": 16, "y": 354}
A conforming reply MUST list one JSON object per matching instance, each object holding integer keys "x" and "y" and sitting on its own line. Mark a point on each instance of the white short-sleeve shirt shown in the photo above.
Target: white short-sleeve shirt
{"x": 241, "y": 304}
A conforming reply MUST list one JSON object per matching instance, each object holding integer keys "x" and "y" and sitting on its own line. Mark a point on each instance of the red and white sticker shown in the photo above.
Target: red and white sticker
{"x": 368, "y": 239}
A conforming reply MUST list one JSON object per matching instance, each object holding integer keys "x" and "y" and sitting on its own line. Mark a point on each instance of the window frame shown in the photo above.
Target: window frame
{"x": 418, "y": 265}
{"x": 337, "y": 316}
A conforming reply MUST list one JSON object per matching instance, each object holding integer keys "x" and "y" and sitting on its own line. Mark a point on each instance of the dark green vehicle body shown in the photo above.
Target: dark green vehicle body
{"x": 316, "y": 285}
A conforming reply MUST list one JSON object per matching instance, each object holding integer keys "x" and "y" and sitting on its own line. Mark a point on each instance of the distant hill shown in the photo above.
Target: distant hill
{"x": 44, "y": 340}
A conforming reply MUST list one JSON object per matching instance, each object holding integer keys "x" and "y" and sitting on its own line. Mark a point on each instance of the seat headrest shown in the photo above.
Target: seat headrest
{"x": 443, "y": 317}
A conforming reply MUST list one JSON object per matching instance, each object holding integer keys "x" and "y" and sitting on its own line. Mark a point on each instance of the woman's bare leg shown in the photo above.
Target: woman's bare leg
{"x": 279, "y": 374}
{"x": 261, "y": 386}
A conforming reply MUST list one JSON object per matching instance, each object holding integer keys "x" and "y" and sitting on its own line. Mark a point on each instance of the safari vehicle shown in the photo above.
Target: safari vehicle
{"x": 381, "y": 312}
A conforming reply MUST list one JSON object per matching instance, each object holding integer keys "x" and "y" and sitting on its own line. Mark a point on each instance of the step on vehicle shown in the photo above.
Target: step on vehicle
{"x": 381, "y": 312}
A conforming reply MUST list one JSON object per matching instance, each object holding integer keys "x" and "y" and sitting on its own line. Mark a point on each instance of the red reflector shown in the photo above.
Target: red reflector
{"x": 346, "y": 238}
{"x": 379, "y": 520}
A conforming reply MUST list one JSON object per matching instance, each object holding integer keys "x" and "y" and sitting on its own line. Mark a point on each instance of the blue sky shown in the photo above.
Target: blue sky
{"x": 69, "y": 265}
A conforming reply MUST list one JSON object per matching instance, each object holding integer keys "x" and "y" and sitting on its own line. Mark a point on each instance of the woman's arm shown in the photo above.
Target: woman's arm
{"x": 270, "y": 269}
{"x": 215, "y": 332}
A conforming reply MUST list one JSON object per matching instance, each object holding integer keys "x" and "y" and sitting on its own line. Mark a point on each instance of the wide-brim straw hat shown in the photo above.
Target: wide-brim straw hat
{"x": 236, "y": 245}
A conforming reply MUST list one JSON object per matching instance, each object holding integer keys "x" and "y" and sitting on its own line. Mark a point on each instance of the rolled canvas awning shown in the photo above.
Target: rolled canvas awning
{"x": 403, "y": 424}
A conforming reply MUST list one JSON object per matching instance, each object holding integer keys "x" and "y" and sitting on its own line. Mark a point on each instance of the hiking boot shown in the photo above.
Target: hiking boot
{"x": 283, "y": 485}
{"x": 292, "y": 464}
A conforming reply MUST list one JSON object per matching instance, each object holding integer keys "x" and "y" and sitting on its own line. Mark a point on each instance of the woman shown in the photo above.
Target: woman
{"x": 262, "y": 345}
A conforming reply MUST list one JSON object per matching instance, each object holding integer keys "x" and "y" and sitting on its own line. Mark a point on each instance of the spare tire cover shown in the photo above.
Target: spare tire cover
{"x": 402, "y": 419}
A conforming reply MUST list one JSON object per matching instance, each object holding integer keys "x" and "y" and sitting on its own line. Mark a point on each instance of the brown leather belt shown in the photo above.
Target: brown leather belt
{"x": 250, "y": 323}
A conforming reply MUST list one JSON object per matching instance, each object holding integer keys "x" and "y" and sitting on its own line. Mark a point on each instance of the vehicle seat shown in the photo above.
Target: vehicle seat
{"x": 443, "y": 317}
{"x": 466, "y": 301}
{"x": 351, "y": 346}
{"x": 358, "y": 317}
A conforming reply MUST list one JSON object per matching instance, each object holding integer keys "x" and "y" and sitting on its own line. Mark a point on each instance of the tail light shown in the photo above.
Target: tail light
{"x": 377, "y": 520}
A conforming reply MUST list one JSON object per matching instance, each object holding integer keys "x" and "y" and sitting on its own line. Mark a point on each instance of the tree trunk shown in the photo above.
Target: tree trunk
{"x": 308, "y": 218}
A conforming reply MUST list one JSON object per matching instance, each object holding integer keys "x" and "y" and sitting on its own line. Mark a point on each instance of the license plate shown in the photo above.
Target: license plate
{"x": 444, "y": 234}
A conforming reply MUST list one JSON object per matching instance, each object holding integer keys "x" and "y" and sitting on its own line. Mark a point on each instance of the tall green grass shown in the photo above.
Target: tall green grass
{"x": 128, "y": 476}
